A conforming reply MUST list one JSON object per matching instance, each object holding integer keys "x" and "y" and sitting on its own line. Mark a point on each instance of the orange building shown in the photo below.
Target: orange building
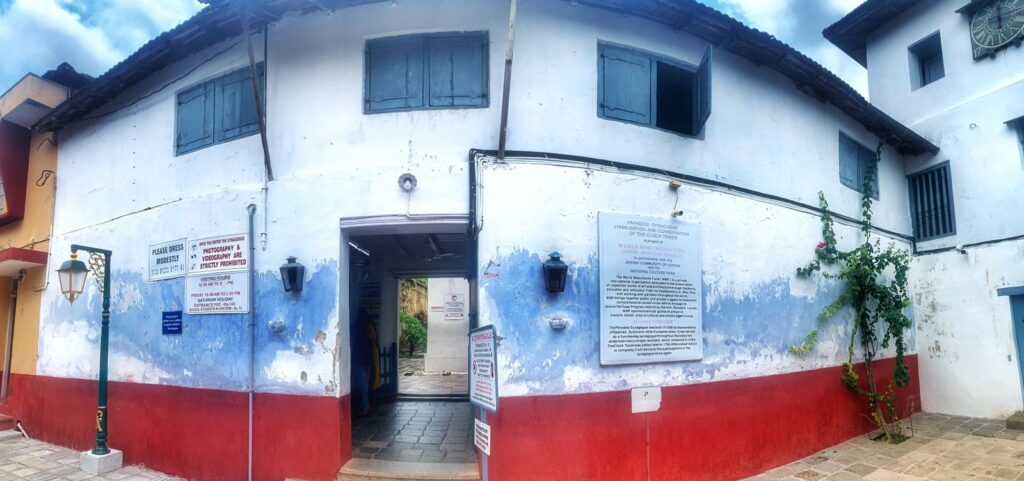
{"x": 28, "y": 164}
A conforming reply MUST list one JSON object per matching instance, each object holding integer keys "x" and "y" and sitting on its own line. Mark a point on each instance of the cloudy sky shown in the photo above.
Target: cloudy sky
{"x": 93, "y": 35}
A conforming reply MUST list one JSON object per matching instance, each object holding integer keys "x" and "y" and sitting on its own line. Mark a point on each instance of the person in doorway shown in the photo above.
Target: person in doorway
{"x": 365, "y": 360}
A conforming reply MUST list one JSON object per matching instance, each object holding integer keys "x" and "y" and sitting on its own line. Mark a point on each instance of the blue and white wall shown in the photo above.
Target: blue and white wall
{"x": 970, "y": 362}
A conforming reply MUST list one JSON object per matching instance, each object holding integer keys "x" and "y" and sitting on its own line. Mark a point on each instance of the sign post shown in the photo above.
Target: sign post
{"x": 218, "y": 278}
{"x": 167, "y": 260}
{"x": 483, "y": 386}
{"x": 651, "y": 299}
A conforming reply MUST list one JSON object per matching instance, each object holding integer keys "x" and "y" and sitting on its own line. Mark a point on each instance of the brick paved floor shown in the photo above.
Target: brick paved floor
{"x": 30, "y": 460}
{"x": 420, "y": 382}
{"x": 416, "y": 431}
{"x": 944, "y": 448}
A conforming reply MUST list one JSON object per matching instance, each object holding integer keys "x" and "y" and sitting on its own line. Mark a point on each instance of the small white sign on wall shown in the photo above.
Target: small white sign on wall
{"x": 217, "y": 293}
{"x": 168, "y": 260}
{"x": 482, "y": 436}
{"x": 218, "y": 254}
{"x": 646, "y": 399}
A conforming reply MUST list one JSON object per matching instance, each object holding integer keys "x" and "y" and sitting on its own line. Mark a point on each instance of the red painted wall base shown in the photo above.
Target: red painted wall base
{"x": 195, "y": 433}
{"x": 711, "y": 431}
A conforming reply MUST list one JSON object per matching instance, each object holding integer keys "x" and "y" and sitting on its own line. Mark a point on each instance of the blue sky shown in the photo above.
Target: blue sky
{"x": 93, "y": 35}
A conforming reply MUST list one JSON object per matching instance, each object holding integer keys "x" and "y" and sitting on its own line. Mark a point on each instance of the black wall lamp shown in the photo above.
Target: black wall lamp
{"x": 292, "y": 274}
{"x": 555, "y": 272}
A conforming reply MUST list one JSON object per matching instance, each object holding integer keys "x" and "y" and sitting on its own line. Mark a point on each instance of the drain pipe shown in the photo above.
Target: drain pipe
{"x": 505, "y": 88}
{"x": 10, "y": 335}
{"x": 252, "y": 327}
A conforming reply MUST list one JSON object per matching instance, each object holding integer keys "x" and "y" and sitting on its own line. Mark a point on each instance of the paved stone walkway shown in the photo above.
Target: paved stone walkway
{"x": 944, "y": 448}
{"x": 30, "y": 460}
{"x": 416, "y": 431}
{"x": 423, "y": 383}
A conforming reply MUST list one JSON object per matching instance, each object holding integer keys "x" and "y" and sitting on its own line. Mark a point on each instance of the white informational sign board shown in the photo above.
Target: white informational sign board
{"x": 645, "y": 399}
{"x": 651, "y": 299}
{"x": 454, "y": 307}
{"x": 218, "y": 254}
{"x": 217, "y": 293}
{"x": 483, "y": 368}
{"x": 168, "y": 260}
{"x": 482, "y": 436}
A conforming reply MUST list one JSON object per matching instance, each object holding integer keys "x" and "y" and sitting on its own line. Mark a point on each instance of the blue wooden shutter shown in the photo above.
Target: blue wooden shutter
{"x": 194, "y": 120}
{"x": 849, "y": 163}
{"x": 236, "y": 106}
{"x": 457, "y": 71}
{"x": 625, "y": 85}
{"x": 702, "y": 94}
{"x": 394, "y": 74}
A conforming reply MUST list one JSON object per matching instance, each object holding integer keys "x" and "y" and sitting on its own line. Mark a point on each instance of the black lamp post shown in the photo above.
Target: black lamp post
{"x": 555, "y": 272}
{"x": 292, "y": 274}
{"x": 72, "y": 275}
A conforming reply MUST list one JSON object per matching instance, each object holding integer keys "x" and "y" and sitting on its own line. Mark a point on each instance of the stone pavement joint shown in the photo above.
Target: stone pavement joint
{"x": 943, "y": 448}
{"x": 32, "y": 460}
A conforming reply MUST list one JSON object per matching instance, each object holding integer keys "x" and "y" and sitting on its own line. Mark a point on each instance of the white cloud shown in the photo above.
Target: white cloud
{"x": 37, "y": 35}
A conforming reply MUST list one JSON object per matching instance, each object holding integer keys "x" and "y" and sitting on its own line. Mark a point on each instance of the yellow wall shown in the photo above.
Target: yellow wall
{"x": 32, "y": 232}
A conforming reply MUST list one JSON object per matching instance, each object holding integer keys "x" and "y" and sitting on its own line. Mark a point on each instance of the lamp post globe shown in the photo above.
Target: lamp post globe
{"x": 72, "y": 274}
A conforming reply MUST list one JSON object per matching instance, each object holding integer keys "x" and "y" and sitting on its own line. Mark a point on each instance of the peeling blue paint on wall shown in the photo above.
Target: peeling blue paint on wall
{"x": 735, "y": 330}
{"x": 212, "y": 350}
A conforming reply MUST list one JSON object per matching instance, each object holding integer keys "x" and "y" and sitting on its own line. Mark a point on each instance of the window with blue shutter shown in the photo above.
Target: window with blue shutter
{"x": 432, "y": 71}
{"x": 926, "y": 64}
{"x": 931, "y": 203}
{"x": 194, "y": 128}
{"x": 854, "y": 160}
{"x": 651, "y": 90}
{"x": 217, "y": 110}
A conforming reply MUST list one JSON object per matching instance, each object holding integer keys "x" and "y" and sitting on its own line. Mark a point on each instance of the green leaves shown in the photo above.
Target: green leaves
{"x": 875, "y": 287}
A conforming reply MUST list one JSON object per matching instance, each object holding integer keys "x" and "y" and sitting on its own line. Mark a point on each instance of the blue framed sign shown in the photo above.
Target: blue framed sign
{"x": 171, "y": 322}
{"x": 483, "y": 368}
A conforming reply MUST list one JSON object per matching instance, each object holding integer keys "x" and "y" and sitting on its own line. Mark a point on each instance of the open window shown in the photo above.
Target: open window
{"x": 926, "y": 64}
{"x": 647, "y": 89}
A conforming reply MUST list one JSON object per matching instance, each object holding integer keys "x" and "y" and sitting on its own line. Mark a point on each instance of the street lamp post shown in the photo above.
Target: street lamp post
{"x": 72, "y": 275}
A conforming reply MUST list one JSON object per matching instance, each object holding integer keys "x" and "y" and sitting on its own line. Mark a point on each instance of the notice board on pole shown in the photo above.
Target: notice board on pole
{"x": 650, "y": 297}
{"x": 483, "y": 368}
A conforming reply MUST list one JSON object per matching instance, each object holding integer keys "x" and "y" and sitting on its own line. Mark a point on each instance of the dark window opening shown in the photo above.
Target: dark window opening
{"x": 646, "y": 89}
{"x": 931, "y": 203}
{"x": 926, "y": 61}
{"x": 675, "y": 98}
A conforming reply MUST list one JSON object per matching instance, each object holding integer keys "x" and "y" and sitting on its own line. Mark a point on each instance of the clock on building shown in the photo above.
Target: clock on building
{"x": 996, "y": 24}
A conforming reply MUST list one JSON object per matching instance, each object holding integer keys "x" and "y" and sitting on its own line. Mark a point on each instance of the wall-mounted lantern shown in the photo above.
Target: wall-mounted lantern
{"x": 292, "y": 274}
{"x": 555, "y": 272}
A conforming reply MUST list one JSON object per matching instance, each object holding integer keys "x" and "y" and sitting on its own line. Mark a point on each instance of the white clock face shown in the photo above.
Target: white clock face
{"x": 998, "y": 23}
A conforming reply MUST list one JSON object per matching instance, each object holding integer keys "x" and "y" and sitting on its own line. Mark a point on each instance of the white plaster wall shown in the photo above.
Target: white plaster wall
{"x": 754, "y": 305}
{"x": 120, "y": 185}
{"x": 968, "y": 358}
{"x": 763, "y": 133}
{"x": 889, "y": 73}
{"x": 447, "y": 339}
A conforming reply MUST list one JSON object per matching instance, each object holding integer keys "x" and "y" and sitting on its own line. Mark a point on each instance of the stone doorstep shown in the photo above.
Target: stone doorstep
{"x": 358, "y": 469}
{"x": 1016, "y": 421}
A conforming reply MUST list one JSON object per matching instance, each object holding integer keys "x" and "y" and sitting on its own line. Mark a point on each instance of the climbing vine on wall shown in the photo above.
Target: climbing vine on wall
{"x": 875, "y": 288}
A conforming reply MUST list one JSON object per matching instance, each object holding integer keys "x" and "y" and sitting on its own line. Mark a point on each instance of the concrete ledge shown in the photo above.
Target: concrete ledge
{"x": 358, "y": 469}
{"x": 99, "y": 464}
{"x": 1016, "y": 421}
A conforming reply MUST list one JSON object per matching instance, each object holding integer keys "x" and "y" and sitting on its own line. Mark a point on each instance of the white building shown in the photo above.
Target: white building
{"x": 383, "y": 129}
{"x": 967, "y": 273}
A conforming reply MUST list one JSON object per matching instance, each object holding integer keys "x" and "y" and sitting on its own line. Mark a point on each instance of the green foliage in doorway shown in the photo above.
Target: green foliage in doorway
{"x": 875, "y": 288}
{"x": 413, "y": 335}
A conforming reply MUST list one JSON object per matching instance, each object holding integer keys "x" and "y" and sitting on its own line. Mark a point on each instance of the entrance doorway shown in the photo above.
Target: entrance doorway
{"x": 423, "y": 417}
{"x": 433, "y": 345}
